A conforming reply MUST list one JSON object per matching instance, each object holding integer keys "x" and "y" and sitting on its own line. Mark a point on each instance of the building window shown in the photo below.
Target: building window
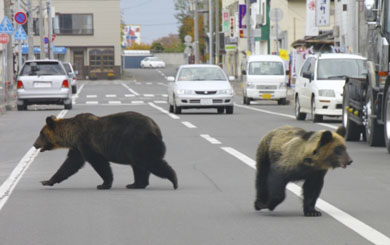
{"x": 101, "y": 60}
{"x": 73, "y": 24}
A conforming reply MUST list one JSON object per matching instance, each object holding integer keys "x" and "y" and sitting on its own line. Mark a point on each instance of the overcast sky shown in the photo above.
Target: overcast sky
{"x": 156, "y": 17}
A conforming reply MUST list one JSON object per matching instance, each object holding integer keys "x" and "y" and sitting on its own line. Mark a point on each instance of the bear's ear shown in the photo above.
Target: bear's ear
{"x": 50, "y": 121}
{"x": 341, "y": 131}
{"x": 326, "y": 137}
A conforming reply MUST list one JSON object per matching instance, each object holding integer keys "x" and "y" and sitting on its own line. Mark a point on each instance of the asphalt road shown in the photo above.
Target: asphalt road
{"x": 213, "y": 155}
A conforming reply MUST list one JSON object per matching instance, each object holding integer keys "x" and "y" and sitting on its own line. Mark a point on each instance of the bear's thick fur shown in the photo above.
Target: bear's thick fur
{"x": 290, "y": 154}
{"x": 126, "y": 138}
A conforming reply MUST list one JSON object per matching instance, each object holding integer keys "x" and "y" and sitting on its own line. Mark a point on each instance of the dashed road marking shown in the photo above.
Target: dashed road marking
{"x": 210, "y": 139}
{"x": 188, "y": 125}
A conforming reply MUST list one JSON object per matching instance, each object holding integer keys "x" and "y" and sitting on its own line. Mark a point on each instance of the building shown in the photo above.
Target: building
{"x": 87, "y": 34}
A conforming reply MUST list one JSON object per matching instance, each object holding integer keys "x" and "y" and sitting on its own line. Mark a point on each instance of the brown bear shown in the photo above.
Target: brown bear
{"x": 126, "y": 138}
{"x": 289, "y": 154}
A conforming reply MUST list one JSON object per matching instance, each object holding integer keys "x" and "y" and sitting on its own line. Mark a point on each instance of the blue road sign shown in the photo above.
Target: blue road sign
{"x": 20, "y": 34}
{"x": 20, "y": 18}
{"x": 6, "y": 26}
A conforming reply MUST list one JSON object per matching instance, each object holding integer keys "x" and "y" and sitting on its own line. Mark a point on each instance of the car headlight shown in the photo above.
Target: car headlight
{"x": 326, "y": 93}
{"x": 250, "y": 85}
{"x": 184, "y": 91}
{"x": 226, "y": 91}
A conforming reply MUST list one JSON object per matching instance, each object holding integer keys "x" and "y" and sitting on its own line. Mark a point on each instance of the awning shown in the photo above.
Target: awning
{"x": 37, "y": 50}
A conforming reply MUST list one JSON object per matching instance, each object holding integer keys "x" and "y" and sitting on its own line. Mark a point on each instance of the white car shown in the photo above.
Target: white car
{"x": 43, "y": 82}
{"x": 200, "y": 86}
{"x": 264, "y": 78}
{"x": 319, "y": 84}
{"x": 72, "y": 75}
{"x": 152, "y": 62}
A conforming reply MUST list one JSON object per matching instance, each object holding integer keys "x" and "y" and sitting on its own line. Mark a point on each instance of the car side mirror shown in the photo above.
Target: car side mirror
{"x": 308, "y": 75}
{"x": 243, "y": 72}
{"x": 170, "y": 79}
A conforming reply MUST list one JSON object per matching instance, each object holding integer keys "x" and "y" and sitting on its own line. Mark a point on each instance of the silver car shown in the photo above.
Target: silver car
{"x": 200, "y": 86}
{"x": 72, "y": 75}
{"x": 43, "y": 82}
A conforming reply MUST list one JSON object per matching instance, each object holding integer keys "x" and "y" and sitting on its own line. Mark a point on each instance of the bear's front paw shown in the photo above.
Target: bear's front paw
{"x": 47, "y": 183}
{"x": 103, "y": 187}
{"x": 312, "y": 213}
{"x": 259, "y": 205}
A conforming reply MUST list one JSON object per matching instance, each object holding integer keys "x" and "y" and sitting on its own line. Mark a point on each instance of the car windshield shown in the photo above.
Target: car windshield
{"x": 333, "y": 69}
{"x": 201, "y": 74}
{"x": 265, "y": 68}
{"x": 42, "y": 69}
{"x": 154, "y": 59}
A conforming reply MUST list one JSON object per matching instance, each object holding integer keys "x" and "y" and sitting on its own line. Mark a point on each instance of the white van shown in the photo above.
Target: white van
{"x": 264, "y": 78}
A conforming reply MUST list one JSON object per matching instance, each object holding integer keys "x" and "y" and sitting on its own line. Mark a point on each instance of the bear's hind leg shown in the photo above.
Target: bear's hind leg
{"x": 276, "y": 190}
{"x": 160, "y": 168}
{"x": 311, "y": 191}
{"x": 103, "y": 168}
{"x": 141, "y": 178}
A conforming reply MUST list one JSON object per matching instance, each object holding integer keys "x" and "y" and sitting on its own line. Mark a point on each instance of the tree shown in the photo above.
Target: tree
{"x": 171, "y": 44}
{"x": 183, "y": 7}
{"x": 157, "y": 47}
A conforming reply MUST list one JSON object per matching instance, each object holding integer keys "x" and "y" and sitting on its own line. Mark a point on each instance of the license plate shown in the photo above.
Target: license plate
{"x": 42, "y": 84}
{"x": 206, "y": 101}
{"x": 266, "y": 96}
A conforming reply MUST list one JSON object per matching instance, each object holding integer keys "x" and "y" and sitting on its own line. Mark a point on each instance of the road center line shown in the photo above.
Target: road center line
{"x": 173, "y": 116}
{"x": 188, "y": 125}
{"x": 210, "y": 139}
{"x": 280, "y": 114}
{"x": 128, "y": 88}
{"x": 17, "y": 173}
{"x": 349, "y": 221}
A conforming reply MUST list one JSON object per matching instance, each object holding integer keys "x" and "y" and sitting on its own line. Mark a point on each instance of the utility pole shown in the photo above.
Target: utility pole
{"x": 217, "y": 32}
{"x": 9, "y": 71}
{"x": 19, "y": 45}
{"x": 196, "y": 32}
{"x": 210, "y": 31}
{"x": 30, "y": 30}
{"x": 41, "y": 30}
{"x": 50, "y": 29}
{"x": 248, "y": 25}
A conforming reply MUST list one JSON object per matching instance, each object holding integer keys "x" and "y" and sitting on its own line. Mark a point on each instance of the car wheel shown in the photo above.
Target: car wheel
{"x": 352, "y": 129}
{"x": 314, "y": 117}
{"x": 21, "y": 107}
{"x": 171, "y": 108}
{"x": 282, "y": 101}
{"x": 298, "y": 114}
{"x": 374, "y": 131}
{"x": 246, "y": 100}
{"x": 68, "y": 106}
{"x": 229, "y": 109}
{"x": 74, "y": 89}
{"x": 220, "y": 110}
{"x": 176, "y": 109}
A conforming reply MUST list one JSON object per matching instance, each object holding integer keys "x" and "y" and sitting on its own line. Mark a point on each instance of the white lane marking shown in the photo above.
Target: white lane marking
{"x": 76, "y": 96}
{"x": 149, "y": 83}
{"x": 114, "y": 102}
{"x": 148, "y": 95}
{"x": 160, "y": 102}
{"x": 280, "y": 114}
{"x": 17, "y": 173}
{"x": 92, "y": 102}
{"x": 173, "y": 116}
{"x": 210, "y": 139}
{"x": 128, "y": 88}
{"x": 349, "y": 221}
{"x": 91, "y": 96}
{"x": 129, "y": 95}
{"x": 110, "y": 95}
{"x": 138, "y": 102}
{"x": 188, "y": 125}
{"x": 163, "y": 84}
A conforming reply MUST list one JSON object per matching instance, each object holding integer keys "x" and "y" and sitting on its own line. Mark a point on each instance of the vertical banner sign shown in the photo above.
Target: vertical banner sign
{"x": 311, "y": 28}
{"x": 225, "y": 21}
{"x": 241, "y": 12}
{"x": 322, "y": 12}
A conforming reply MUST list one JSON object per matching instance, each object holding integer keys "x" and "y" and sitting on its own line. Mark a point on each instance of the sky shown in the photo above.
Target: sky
{"x": 156, "y": 17}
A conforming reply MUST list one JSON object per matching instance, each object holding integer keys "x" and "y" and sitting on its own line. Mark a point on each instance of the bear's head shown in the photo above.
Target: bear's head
{"x": 48, "y": 139}
{"x": 326, "y": 149}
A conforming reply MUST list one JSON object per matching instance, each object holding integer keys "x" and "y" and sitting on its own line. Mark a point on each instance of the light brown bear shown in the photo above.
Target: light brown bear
{"x": 289, "y": 154}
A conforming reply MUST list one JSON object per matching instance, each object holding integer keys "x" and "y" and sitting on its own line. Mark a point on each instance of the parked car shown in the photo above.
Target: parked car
{"x": 200, "y": 86}
{"x": 264, "y": 78}
{"x": 72, "y": 75}
{"x": 319, "y": 84}
{"x": 43, "y": 82}
{"x": 152, "y": 62}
